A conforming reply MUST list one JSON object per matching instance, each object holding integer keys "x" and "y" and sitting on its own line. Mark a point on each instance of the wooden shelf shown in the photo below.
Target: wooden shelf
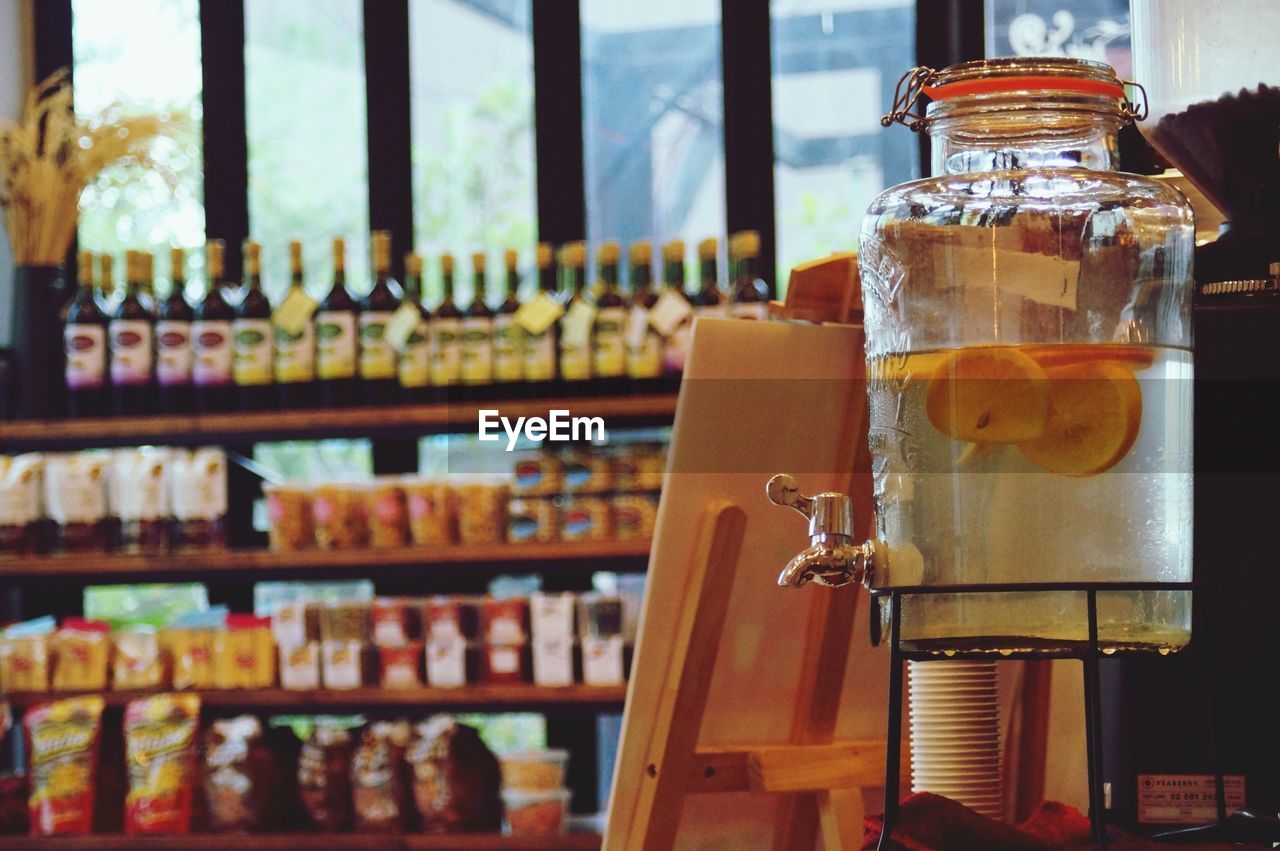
{"x": 522, "y": 697}
{"x": 247, "y": 427}
{"x": 565, "y": 557}
{"x": 283, "y": 841}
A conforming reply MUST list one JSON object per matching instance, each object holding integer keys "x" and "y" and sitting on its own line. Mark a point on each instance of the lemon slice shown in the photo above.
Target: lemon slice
{"x": 1133, "y": 357}
{"x": 1095, "y": 410}
{"x": 988, "y": 394}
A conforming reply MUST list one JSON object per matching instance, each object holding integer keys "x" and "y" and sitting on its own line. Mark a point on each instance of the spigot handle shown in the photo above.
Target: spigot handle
{"x": 784, "y": 490}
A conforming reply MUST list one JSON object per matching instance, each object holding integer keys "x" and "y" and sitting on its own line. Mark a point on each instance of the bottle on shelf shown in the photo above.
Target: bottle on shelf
{"x": 251, "y": 334}
{"x": 379, "y": 382}
{"x": 477, "y": 337}
{"x": 508, "y": 336}
{"x": 576, "y": 324}
{"x": 174, "y": 354}
{"x": 541, "y": 328}
{"x": 211, "y": 337}
{"x": 446, "y": 336}
{"x": 674, "y": 312}
{"x": 84, "y": 339}
{"x": 130, "y": 333}
{"x": 750, "y": 299}
{"x": 108, "y": 294}
{"x": 708, "y": 300}
{"x": 415, "y": 357}
{"x": 295, "y": 339}
{"x": 336, "y": 337}
{"x": 644, "y": 342}
{"x": 608, "y": 346}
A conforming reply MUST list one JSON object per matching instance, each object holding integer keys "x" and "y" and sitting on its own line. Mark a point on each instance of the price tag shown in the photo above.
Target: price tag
{"x": 294, "y": 312}
{"x": 576, "y": 330}
{"x": 401, "y": 325}
{"x": 539, "y": 313}
{"x": 669, "y": 312}
{"x": 637, "y": 327}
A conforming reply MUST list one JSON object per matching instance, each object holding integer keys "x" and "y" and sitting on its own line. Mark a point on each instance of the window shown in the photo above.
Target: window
{"x": 308, "y": 152}
{"x": 1083, "y": 29}
{"x": 471, "y": 69}
{"x": 835, "y": 64}
{"x": 145, "y": 61}
{"x": 653, "y": 120}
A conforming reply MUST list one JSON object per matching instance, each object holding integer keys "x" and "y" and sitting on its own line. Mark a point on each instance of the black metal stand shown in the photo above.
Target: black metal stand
{"x": 1088, "y": 652}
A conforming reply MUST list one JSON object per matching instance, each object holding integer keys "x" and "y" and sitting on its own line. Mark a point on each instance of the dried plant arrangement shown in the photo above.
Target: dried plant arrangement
{"x": 48, "y": 159}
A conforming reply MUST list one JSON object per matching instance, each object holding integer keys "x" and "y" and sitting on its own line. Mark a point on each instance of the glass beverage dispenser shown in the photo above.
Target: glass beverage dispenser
{"x": 1028, "y": 345}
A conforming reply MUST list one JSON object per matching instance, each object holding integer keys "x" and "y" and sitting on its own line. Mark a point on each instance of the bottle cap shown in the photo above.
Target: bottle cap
{"x": 107, "y": 262}
{"x": 446, "y": 263}
{"x": 641, "y": 252}
{"x": 413, "y": 263}
{"x": 214, "y": 252}
{"x": 744, "y": 243}
{"x": 178, "y": 264}
{"x": 573, "y": 254}
{"x": 295, "y": 255}
{"x": 708, "y": 248}
{"x": 381, "y": 243}
{"x": 673, "y": 251}
{"x": 252, "y": 256}
{"x": 477, "y": 261}
{"x": 84, "y": 267}
{"x": 339, "y": 252}
{"x": 607, "y": 253}
{"x": 546, "y": 255}
{"x": 512, "y": 257}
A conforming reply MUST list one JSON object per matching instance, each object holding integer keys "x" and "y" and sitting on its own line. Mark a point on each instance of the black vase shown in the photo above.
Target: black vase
{"x": 39, "y": 294}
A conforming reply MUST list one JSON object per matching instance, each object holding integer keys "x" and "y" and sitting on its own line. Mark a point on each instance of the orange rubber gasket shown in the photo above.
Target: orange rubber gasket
{"x": 994, "y": 85}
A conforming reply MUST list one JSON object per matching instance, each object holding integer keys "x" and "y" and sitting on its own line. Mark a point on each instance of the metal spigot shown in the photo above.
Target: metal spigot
{"x": 832, "y": 558}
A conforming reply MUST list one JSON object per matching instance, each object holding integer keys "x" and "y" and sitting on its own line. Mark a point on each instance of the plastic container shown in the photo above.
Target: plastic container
{"x": 482, "y": 511}
{"x": 634, "y": 515}
{"x": 433, "y": 512}
{"x": 341, "y": 516}
{"x": 536, "y": 813}
{"x": 532, "y": 520}
{"x": 387, "y": 510}
{"x": 140, "y": 499}
{"x": 538, "y": 474}
{"x": 199, "y": 494}
{"x": 289, "y": 517}
{"x": 586, "y": 518}
{"x": 534, "y": 771}
{"x": 20, "y": 485}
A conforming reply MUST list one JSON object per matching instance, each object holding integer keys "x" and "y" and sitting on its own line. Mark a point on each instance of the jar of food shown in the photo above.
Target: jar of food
{"x": 433, "y": 512}
{"x": 386, "y": 508}
{"x": 538, "y": 474}
{"x": 482, "y": 511}
{"x": 534, "y": 771}
{"x": 139, "y": 499}
{"x": 199, "y": 498}
{"x": 587, "y": 469}
{"x": 75, "y": 498}
{"x": 532, "y": 519}
{"x": 634, "y": 515}
{"x": 289, "y": 517}
{"x": 541, "y": 813}
{"x": 341, "y": 518}
{"x": 1028, "y": 343}
{"x": 585, "y": 518}
{"x": 455, "y": 615}
{"x": 20, "y": 503}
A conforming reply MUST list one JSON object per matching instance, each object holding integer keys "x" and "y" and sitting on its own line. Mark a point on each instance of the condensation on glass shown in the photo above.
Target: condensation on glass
{"x": 1029, "y": 342}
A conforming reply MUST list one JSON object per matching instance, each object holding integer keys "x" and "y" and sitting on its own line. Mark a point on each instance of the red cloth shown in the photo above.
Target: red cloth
{"x": 928, "y": 822}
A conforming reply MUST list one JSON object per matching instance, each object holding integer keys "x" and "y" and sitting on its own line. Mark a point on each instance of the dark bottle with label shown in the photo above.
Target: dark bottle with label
{"x": 446, "y": 337}
{"x": 750, "y": 299}
{"x": 644, "y": 343}
{"x": 608, "y": 346}
{"x": 336, "y": 337}
{"x": 708, "y": 300}
{"x": 131, "y": 333}
{"x": 542, "y": 349}
{"x": 678, "y": 333}
{"x": 211, "y": 337}
{"x": 253, "y": 348}
{"x": 477, "y": 337}
{"x": 576, "y": 324}
{"x": 415, "y": 358}
{"x": 84, "y": 338}
{"x": 378, "y": 378}
{"x": 295, "y": 340}
{"x": 174, "y": 354}
{"x": 508, "y": 336}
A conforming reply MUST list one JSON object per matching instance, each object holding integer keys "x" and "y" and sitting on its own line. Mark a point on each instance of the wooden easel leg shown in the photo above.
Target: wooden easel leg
{"x": 841, "y": 812}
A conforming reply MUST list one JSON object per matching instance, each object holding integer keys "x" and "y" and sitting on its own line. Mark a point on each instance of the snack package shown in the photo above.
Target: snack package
{"x": 289, "y": 517}
{"x": 139, "y": 498}
{"x": 433, "y": 512}
{"x": 386, "y": 508}
{"x": 482, "y": 510}
{"x": 81, "y": 655}
{"x": 401, "y": 666}
{"x": 380, "y": 782}
{"x": 231, "y": 785}
{"x": 137, "y": 663}
{"x": 244, "y": 654}
{"x": 455, "y": 778}
{"x": 75, "y": 497}
{"x": 160, "y": 757}
{"x": 189, "y": 643}
{"x": 199, "y": 498}
{"x": 20, "y": 510}
{"x": 62, "y": 757}
{"x": 300, "y": 666}
{"x": 324, "y": 776}
{"x": 24, "y": 656}
{"x": 341, "y": 521}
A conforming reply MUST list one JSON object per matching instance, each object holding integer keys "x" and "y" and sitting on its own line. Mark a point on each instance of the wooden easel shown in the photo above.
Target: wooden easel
{"x": 822, "y": 778}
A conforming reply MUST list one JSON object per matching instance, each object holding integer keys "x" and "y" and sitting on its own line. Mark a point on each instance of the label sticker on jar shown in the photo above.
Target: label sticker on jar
{"x": 602, "y": 662}
{"x": 341, "y": 664}
{"x": 446, "y": 660}
{"x": 553, "y": 662}
{"x": 86, "y": 350}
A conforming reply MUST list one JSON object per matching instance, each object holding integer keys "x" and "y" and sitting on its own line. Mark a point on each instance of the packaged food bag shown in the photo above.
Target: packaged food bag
{"x": 231, "y": 783}
{"x": 160, "y": 756}
{"x": 81, "y": 650}
{"x": 62, "y": 762}
{"x": 380, "y": 781}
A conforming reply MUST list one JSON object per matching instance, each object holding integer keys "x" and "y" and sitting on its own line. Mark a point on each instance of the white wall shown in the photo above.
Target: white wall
{"x": 15, "y": 74}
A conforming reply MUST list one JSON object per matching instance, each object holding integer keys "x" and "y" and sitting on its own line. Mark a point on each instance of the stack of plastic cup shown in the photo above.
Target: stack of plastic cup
{"x": 955, "y": 733}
